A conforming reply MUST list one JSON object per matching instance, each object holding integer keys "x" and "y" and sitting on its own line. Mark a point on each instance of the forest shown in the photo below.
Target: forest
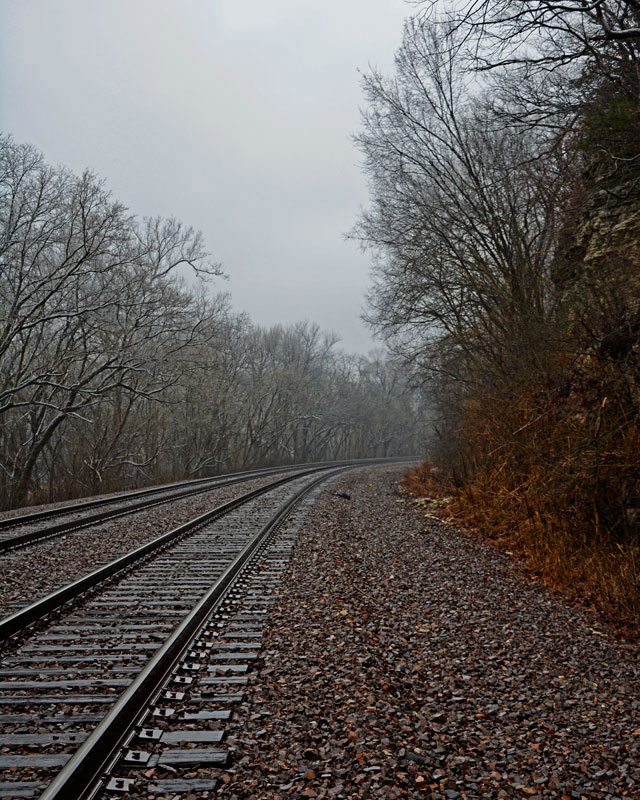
{"x": 503, "y": 156}
{"x": 503, "y": 227}
{"x": 120, "y": 366}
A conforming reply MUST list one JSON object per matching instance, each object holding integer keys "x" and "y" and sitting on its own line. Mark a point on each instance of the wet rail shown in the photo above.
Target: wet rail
{"x": 26, "y": 529}
{"x": 130, "y": 686}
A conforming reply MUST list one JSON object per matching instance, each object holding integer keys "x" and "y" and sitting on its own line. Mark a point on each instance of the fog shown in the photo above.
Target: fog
{"x": 234, "y": 117}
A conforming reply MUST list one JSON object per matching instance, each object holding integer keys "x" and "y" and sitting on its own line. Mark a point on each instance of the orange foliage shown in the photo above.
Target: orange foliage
{"x": 552, "y": 470}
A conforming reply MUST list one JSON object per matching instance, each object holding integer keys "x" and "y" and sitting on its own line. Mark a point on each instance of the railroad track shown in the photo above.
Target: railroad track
{"x": 26, "y": 529}
{"x": 127, "y": 692}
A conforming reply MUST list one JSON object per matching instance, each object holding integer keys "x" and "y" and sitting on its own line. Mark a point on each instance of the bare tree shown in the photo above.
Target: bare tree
{"x": 544, "y": 34}
{"x": 546, "y": 58}
{"x": 461, "y": 220}
{"x": 88, "y": 304}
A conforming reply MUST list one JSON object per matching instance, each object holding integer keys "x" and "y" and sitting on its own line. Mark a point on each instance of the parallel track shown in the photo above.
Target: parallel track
{"x": 75, "y": 516}
{"x": 82, "y": 515}
{"x": 22, "y": 619}
{"x": 125, "y": 639}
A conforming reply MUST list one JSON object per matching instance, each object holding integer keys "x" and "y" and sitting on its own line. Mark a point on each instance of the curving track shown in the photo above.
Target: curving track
{"x": 22, "y": 530}
{"x": 26, "y": 529}
{"x": 163, "y": 650}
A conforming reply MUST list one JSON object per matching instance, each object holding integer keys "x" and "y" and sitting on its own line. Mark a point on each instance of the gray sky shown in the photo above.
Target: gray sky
{"x": 233, "y": 115}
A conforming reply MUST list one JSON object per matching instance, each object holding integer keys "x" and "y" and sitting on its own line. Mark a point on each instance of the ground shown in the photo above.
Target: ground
{"x": 406, "y": 659}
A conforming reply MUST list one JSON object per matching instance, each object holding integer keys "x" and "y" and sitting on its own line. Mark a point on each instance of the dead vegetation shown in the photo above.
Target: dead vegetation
{"x": 553, "y": 477}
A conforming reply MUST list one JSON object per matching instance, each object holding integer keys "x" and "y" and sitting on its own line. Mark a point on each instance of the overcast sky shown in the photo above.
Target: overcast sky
{"x": 233, "y": 115}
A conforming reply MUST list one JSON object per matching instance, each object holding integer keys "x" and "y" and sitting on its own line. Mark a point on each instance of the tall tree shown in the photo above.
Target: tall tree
{"x": 462, "y": 218}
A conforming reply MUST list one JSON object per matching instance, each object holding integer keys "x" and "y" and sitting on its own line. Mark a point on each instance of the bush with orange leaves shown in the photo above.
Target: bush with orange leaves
{"x": 552, "y": 470}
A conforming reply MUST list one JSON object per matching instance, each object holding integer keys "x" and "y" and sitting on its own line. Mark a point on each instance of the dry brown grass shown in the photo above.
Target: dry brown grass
{"x": 552, "y": 472}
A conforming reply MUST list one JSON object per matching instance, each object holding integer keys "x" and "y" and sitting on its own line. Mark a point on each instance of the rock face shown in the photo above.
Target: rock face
{"x": 601, "y": 255}
{"x": 611, "y": 226}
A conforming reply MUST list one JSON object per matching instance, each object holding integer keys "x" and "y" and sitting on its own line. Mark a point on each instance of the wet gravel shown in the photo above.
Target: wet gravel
{"x": 404, "y": 659}
{"x": 34, "y": 572}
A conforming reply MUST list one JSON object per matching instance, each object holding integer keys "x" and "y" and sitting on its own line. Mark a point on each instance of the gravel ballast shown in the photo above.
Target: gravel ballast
{"x": 406, "y": 659}
{"x": 33, "y": 572}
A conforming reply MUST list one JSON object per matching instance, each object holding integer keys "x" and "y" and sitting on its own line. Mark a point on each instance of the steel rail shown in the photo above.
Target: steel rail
{"x": 23, "y": 539}
{"x": 13, "y": 624}
{"x": 192, "y": 488}
{"x": 73, "y": 508}
{"x": 81, "y": 777}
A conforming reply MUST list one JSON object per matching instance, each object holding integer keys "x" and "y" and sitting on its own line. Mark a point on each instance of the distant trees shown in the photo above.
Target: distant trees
{"x": 114, "y": 372}
{"x": 286, "y": 395}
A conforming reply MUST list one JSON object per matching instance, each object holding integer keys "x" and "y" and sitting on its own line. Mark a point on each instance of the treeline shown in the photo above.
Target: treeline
{"x": 504, "y": 165}
{"x": 116, "y": 372}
